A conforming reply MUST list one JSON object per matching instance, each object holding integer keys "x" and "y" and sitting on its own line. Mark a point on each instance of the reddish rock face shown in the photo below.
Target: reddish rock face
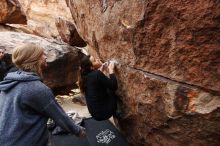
{"x": 169, "y": 73}
{"x": 68, "y": 33}
{"x": 10, "y": 12}
{"x": 175, "y": 39}
{"x": 63, "y": 60}
{"x": 41, "y": 16}
{"x": 50, "y": 19}
{"x": 159, "y": 111}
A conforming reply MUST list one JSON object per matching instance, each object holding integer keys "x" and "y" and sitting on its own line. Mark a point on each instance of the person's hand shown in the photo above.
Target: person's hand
{"x": 96, "y": 63}
{"x": 82, "y": 132}
{"x": 102, "y": 68}
{"x": 111, "y": 67}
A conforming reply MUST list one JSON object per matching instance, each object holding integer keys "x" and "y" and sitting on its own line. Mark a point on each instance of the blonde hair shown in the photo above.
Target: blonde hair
{"x": 26, "y": 57}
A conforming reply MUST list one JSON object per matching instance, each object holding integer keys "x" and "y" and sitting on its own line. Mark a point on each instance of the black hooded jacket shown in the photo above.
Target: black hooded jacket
{"x": 3, "y": 70}
{"x": 100, "y": 95}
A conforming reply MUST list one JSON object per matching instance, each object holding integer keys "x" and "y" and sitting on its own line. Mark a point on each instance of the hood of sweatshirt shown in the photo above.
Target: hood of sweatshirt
{"x": 14, "y": 78}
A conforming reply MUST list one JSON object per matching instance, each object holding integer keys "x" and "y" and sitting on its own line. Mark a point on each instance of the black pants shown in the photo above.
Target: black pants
{"x": 109, "y": 109}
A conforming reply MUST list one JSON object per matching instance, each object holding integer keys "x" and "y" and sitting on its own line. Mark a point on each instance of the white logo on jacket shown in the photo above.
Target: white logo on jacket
{"x": 105, "y": 136}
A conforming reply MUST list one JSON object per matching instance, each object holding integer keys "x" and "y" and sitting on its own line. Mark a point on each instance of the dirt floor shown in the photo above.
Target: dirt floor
{"x": 68, "y": 105}
{"x": 74, "y": 102}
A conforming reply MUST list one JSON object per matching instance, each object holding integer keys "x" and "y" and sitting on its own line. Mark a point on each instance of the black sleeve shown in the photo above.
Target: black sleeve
{"x": 11, "y": 68}
{"x": 3, "y": 70}
{"x": 110, "y": 83}
{"x": 45, "y": 104}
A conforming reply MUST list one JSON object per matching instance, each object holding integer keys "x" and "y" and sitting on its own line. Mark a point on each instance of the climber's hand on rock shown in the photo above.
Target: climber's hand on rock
{"x": 111, "y": 67}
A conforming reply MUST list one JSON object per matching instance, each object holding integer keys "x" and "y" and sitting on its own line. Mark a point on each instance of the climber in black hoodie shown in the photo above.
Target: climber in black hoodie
{"x": 98, "y": 88}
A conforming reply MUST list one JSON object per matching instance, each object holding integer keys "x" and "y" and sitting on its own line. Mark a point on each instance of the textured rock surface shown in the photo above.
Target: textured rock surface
{"x": 158, "y": 111}
{"x": 15, "y": 28}
{"x": 46, "y": 18}
{"x": 7, "y": 28}
{"x": 42, "y": 16}
{"x": 10, "y": 12}
{"x": 169, "y": 55}
{"x": 63, "y": 60}
{"x": 68, "y": 33}
{"x": 175, "y": 39}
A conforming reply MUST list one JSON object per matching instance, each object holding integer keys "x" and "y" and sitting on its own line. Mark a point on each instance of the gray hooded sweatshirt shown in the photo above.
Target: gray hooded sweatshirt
{"x": 25, "y": 106}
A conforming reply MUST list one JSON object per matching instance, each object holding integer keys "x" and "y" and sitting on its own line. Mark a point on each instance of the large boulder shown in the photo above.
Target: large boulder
{"x": 158, "y": 111}
{"x": 11, "y": 12}
{"x": 37, "y": 14}
{"x": 7, "y": 28}
{"x": 175, "y": 39}
{"x": 63, "y": 60}
{"x": 42, "y": 14}
{"x": 15, "y": 28}
{"x": 169, "y": 72}
{"x": 51, "y": 19}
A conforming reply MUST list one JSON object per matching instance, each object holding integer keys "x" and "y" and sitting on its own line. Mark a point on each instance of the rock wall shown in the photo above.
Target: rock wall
{"x": 11, "y": 12}
{"x": 175, "y": 39}
{"x": 169, "y": 59}
{"x": 68, "y": 33}
{"x": 45, "y": 18}
{"x": 158, "y": 111}
{"x": 41, "y": 16}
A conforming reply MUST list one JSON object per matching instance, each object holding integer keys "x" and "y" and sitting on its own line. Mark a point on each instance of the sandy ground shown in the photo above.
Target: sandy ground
{"x": 68, "y": 105}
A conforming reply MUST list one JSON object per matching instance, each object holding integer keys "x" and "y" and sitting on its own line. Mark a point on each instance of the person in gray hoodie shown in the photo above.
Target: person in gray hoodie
{"x": 26, "y": 103}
